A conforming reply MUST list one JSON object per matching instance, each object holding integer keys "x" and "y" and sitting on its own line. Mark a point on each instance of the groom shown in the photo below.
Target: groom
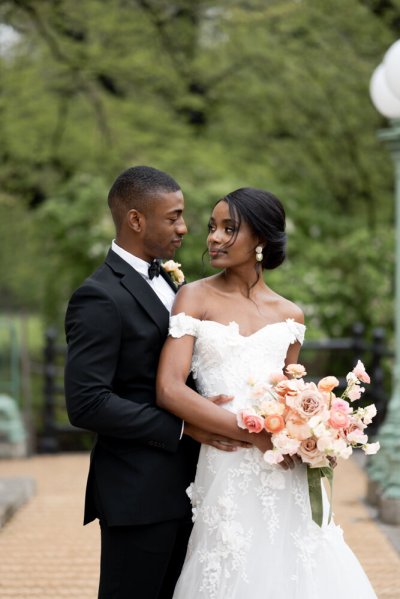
{"x": 141, "y": 463}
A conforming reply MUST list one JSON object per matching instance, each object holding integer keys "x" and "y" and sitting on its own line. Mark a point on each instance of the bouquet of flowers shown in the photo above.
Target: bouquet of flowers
{"x": 310, "y": 421}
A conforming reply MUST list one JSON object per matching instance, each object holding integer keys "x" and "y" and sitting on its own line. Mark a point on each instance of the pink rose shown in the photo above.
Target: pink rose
{"x": 297, "y": 371}
{"x": 274, "y": 423}
{"x": 310, "y": 454}
{"x": 359, "y": 371}
{"x": 250, "y": 420}
{"x": 342, "y": 405}
{"x": 328, "y": 383}
{"x": 338, "y": 419}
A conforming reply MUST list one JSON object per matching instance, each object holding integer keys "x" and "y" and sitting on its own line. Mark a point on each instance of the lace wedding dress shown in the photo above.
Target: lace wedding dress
{"x": 253, "y": 536}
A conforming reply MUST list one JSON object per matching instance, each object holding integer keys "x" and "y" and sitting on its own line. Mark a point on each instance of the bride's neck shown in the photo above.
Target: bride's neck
{"x": 242, "y": 280}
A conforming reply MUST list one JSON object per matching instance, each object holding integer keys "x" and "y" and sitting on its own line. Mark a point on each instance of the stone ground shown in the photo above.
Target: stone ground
{"x": 45, "y": 552}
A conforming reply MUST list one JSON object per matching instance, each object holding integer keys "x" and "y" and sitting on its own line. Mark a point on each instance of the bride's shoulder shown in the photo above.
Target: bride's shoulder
{"x": 295, "y": 312}
{"x": 190, "y": 299}
{"x": 289, "y": 310}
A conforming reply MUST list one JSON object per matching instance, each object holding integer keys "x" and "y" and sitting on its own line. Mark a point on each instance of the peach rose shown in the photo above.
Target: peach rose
{"x": 288, "y": 387}
{"x": 274, "y": 423}
{"x": 297, "y": 371}
{"x": 308, "y": 402}
{"x": 250, "y": 420}
{"x": 297, "y": 427}
{"x": 310, "y": 454}
{"x": 271, "y": 406}
{"x": 328, "y": 383}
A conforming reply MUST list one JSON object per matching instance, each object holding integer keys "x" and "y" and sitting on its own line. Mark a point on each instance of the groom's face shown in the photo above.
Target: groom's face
{"x": 164, "y": 226}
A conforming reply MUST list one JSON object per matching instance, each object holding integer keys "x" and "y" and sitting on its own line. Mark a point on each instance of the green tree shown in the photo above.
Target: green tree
{"x": 222, "y": 95}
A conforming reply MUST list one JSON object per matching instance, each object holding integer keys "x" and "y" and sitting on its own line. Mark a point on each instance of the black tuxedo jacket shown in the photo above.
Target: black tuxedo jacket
{"x": 139, "y": 469}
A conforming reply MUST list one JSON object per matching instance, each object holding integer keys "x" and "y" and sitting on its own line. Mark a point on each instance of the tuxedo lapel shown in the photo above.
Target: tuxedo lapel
{"x": 168, "y": 278}
{"x": 140, "y": 289}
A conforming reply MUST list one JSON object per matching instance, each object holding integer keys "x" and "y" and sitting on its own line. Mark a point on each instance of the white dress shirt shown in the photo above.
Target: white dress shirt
{"x": 158, "y": 284}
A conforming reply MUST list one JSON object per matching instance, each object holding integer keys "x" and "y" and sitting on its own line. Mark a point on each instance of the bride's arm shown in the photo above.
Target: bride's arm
{"x": 293, "y": 353}
{"x": 294, "y": 349}
{"x": 175, "y": 396}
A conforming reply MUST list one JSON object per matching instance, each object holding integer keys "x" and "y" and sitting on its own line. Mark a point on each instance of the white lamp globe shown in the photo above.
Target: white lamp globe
{"x": 383, "y": 98}
{"x": 391, "y": 63}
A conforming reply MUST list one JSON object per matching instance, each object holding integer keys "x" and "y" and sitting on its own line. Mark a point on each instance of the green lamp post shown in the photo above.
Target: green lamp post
{"x": 384, "y": 468}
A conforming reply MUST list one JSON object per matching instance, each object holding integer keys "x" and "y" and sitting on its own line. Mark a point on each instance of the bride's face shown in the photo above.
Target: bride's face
{"x": 228, "y": 244}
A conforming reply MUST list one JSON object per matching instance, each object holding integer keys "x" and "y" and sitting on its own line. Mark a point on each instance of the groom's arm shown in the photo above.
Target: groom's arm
{"x": 94, "y": 332}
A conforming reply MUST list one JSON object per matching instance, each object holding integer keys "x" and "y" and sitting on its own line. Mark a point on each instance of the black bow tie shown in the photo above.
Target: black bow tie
{"x": 154, "y": 269}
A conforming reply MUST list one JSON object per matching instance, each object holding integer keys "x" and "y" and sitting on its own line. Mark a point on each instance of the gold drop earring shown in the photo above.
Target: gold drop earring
{"x": 259, "y": 254}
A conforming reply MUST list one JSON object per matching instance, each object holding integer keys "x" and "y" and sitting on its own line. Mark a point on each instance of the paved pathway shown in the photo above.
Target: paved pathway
{"x": 46, "y": 553}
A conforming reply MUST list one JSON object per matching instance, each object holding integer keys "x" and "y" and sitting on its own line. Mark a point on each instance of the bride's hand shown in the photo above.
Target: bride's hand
{"x": 289, "y": 462}
{"x": 217, "y": 441}
{"x": 261, "y": 440}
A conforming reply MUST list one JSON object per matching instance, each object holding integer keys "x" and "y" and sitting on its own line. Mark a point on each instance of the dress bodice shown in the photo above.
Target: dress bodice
{"x": 224, "y": 361}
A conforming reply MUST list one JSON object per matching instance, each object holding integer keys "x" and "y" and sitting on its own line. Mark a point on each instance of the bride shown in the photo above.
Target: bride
{"x": 253, "y": 535}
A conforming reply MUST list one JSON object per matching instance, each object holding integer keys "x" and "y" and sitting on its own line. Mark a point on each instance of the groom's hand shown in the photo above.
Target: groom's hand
{"x": 217, "y": 441}
{"x": 220, "y": 400}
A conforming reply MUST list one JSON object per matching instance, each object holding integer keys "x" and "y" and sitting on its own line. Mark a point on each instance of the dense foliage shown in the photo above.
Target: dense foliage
{"x": 267, "y": 93}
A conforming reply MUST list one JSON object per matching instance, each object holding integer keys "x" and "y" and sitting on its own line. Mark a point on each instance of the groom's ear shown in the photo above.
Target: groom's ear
{"x": 135, "y": 220}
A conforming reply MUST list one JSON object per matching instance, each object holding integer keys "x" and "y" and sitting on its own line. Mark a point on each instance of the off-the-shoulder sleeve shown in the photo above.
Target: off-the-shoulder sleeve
{"x": 182, "y": 324}
{"x": 296, "y": 329}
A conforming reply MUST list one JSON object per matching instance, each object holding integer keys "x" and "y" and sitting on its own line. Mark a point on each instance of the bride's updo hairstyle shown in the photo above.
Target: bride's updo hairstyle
{"x": 265, "y": 215}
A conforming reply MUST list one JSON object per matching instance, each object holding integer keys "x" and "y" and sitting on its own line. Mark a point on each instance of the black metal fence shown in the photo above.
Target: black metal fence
{"x": 317, "y": 356}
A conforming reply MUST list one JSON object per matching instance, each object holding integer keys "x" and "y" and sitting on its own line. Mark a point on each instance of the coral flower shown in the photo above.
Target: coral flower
{"x": 274, "y": 423}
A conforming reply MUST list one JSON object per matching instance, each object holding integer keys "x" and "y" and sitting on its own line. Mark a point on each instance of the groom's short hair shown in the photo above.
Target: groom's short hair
{"x": 136, "y": 188}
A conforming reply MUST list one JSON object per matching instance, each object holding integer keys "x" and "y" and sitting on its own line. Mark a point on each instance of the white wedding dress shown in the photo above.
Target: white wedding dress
{"x": 253, "y": 536}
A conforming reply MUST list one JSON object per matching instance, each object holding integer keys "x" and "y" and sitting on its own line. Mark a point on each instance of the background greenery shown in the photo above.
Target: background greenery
{"x": 267, "y": 93}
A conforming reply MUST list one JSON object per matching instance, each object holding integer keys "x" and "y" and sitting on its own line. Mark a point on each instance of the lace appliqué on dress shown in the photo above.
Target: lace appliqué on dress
{"x": 297, "y": 330}
{"x": 181, "y": 324}
{"x": 228, "y": 542}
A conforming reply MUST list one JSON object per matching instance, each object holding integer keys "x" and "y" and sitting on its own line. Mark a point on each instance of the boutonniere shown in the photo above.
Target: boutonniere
{"x": 174, "y": 271}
